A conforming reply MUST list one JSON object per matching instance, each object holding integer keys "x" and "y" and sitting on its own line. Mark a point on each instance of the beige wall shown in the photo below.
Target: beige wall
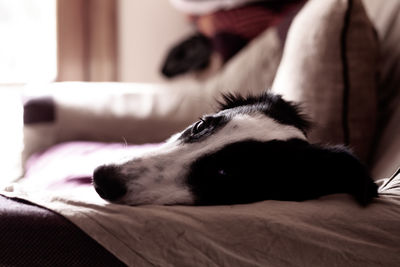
{"x": 147, "y": 28}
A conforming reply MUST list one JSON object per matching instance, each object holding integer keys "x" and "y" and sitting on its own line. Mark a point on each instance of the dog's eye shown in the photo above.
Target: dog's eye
{"x": 205, "y": 127}
{"x": 199, "y": 126}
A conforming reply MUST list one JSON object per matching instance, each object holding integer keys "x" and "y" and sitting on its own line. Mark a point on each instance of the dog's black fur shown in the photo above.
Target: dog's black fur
{"x": 295, "y": 170}
{"x": 271, "y": 105}
{"x": 250, "y": 170}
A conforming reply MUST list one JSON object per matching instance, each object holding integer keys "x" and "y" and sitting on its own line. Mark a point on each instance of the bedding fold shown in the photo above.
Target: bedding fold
{"x": 326, "y": 231}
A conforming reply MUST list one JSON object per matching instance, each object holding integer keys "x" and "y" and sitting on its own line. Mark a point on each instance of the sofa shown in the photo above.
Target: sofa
{"x": 339, "y": 58}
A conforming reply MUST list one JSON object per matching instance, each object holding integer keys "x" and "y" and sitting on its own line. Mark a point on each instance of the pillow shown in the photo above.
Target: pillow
{"x": 387, "y": 22}
{"x": 329, "y": 64}
{"x": 387, "y": 153}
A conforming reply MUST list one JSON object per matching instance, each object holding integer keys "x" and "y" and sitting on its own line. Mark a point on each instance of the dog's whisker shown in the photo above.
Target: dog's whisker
{"x": 125, "y": 142}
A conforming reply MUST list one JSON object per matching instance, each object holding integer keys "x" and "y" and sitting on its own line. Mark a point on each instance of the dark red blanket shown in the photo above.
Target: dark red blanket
{"x": 34, "y": 236}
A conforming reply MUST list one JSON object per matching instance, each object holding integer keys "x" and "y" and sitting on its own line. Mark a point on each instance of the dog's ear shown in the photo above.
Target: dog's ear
{"x": 333, "y": 169}
{"x": 251, "y": 171}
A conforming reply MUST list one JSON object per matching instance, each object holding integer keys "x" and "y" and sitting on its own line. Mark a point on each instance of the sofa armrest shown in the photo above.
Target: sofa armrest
{"x": 109, "y": 112}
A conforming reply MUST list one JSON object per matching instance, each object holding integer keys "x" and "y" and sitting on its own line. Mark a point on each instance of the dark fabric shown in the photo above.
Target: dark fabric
{"x": 232, "y": 29}
{"x": 37, "y": 110}
{"x": 246, "y": 21}
{"x": 284, "y": 24}
{"x": 191, "y": 54}
{"x": 227, "y": 44}
{"x": 34, "y": 236}
{"x": 229, "y": 31}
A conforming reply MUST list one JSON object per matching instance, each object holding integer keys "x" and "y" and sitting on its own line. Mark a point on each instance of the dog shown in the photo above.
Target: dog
{"x": 252, "y": 149}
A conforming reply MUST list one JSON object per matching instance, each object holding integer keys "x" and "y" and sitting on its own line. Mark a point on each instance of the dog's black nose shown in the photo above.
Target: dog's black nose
{"x": 107, "y": 183}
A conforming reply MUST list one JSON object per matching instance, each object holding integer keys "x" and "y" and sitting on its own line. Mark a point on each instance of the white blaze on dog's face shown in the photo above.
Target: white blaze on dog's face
{"x": 161, "y": 176}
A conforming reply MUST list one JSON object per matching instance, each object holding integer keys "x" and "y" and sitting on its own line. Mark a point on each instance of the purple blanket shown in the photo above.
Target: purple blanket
{"x": 68, "y": 165}
{"x": 34, "y": 236}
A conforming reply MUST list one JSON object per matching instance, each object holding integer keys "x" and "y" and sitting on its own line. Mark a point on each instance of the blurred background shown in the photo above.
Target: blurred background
{"x": 213, "y": 44}
{"x": 77, "y": 40}
{"x": 140, "y": 41}
{"x": 86, "y": 40}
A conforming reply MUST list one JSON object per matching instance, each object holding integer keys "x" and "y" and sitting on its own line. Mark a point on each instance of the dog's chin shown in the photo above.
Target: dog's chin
{"x": 160, "y": 201}
{"x": 155, "y": 197}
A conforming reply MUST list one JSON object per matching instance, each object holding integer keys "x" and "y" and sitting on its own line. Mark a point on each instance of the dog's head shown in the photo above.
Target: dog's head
{"x": 252, "y": 149}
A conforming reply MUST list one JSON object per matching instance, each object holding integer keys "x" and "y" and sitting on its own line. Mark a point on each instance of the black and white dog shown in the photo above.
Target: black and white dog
{"x": 252, "y": 149}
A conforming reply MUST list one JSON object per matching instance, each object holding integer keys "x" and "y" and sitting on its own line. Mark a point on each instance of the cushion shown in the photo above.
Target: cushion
{"x": 329, "y": 64}
{"x": 387, "y": 151}
{"x": 387, "y": 22}
{"x": 204, "y": 7}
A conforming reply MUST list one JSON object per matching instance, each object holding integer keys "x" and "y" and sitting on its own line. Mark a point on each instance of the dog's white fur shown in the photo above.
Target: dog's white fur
{"x": 156, "y": 177}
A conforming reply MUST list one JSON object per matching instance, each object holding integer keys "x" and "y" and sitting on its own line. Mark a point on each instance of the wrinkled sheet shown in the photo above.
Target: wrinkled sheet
{"x": 330, "y": 231}
{"x": 35, "y": 236}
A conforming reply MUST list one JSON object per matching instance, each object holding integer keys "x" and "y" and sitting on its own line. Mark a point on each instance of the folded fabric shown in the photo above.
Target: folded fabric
{"x": 246, "y": 21}
{"x": 227, "y": 44}
{"x": 229, "y": 31}
{"x": 204, "y": 7}
{"x": 268, "y": 233}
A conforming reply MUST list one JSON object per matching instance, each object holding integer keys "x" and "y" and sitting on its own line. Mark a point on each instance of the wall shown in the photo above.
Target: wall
{"x": 147, "y": 28}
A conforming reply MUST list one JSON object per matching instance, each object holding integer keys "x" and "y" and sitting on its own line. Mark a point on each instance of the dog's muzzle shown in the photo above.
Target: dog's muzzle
{"x": 107, "y": 184}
